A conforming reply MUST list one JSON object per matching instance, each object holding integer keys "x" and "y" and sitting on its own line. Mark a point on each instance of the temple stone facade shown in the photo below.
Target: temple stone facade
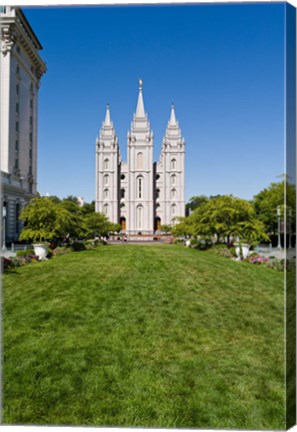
{"x": 21, "y": 69}
{"x": 140, "y": 194}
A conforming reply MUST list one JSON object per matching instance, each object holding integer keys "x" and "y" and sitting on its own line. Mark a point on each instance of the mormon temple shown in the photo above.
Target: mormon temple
{"x": 140, "y": 194}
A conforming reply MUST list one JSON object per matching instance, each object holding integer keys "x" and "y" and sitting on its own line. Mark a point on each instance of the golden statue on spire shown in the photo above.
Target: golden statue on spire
{"x": 140, "y": 83}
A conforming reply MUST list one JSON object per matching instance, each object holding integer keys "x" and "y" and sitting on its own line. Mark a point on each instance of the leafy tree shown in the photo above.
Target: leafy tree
{"x": 252, "y": 231}
{"x": 183, "y": 228}
{"x": 166, "y": 228}
{"x": 88, "y": 208}
{"x": 96, "y": 224}
{"x": 71, "y": 206}
{"x": 222, "y": 216}
{"x": 114, "y": 227}
{"x": 45, "y": 220}
{"x": 71, "y": 198}
{"x": 195, "y": 202}
{"x": 266, "y": 203}
{"x": 54, "y": 198}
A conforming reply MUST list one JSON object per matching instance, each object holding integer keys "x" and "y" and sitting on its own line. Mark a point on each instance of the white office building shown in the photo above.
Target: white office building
{"x": 21, "y": 69}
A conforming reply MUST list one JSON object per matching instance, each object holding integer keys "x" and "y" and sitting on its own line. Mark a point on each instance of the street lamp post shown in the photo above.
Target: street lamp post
{"x": 4, "y": 227}
{"x": 279, "y": 245}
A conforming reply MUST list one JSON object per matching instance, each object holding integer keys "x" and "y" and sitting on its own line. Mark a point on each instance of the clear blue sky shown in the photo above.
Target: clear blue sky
{"x": 222, "y": 65}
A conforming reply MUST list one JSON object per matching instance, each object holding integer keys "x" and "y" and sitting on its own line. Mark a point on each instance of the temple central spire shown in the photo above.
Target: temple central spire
{"x": 140, "y": 113}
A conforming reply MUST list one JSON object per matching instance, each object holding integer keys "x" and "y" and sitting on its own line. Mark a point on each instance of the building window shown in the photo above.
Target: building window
{"x": 173, "y": 179}
{"x": 31, "y": 87}
{"x": 17, "y": 126}
{"x": 30, "y": 153}
{"x": 18, "y": 49}
{"x": 173, "y": 209}
{"x": 157, "y": 177}
{"x": 17, "y": 145}
{"x": 173, "y": 164}
{"x": 106, "y": 193}
{"x": 173, "y": 193}
{"x": 122, "y": 205}
{"x": 31, "y": 103}
{"x": 123, "y": 193}
{"x": 139, "y": 187}
{"x": 123, "y": 177}
{"x": 106, "y": 164}
{"x": 30, "y": 169}
{"x": 16, "y": 164}
{"x": 17, "y": 107}
{"x": 31, "y": 120}
{"x": 139, "y": 213}
{"x": 105, "y": 209}
{"x": 17, "y": 89}
{"x": 157, "y": 193}
{"x": 106, "y": 179}
{"x": 31, "y": 187}
{"x": 31, "y": 137}
{"x": 139, "y": 161}
{"x": 18, "y": 69}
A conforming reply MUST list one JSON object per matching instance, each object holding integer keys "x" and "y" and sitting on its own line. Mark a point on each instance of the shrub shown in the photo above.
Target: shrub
{"x": 16, "y": 262}
{"x": 292, "y": 264}
{"x": 30, "y": 252}
{"x": 233, "y": 251}
{"x": 179, "y": 241}
{"x": 203, "y": 244}
{"x": 225, "y": 252}
{"x": 285, "y": 263}
{"x": 219, "y": 246}
{"x": 23, "y": 253}
{"x": 78, "y": 246}
{"x": 274, "y": 264}
{"x": 49, "y": 254}
{"x": 61, "y": 250}
{"x": 6, "y": 263}
{"x": 257, "y": 259}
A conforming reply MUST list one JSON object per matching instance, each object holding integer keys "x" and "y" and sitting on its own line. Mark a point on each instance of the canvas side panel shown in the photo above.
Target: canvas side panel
{"x": 290, "y": 206}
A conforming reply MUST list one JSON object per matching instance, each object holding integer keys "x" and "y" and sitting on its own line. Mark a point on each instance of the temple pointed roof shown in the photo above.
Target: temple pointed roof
{"x": 107, "y": 132}
{"x": 107, "y": 121}
{"x": 173, "y": 132}
{"x": 172, "y": 121}
{"x": 140, "y": 125}
{"x": 140, "y": 113}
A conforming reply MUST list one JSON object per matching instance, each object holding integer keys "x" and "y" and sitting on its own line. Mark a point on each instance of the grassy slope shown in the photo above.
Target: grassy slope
{"x": 144, "y": 336}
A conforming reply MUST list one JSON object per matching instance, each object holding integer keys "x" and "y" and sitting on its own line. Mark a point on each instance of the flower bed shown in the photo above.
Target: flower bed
{"x": 27, "y": 256}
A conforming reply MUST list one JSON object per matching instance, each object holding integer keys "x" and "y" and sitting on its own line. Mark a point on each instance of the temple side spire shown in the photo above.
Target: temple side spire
{"x": 173, "y": 132}
{"x": 172, "y": 120}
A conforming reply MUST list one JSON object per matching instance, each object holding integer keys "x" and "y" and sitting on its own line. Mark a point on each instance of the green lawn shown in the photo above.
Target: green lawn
{"x": 135, "y": 335}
